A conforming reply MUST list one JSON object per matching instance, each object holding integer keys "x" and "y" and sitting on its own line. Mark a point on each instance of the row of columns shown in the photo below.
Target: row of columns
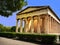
{"x": 53, "y": 25}
{"x": 49, "y": 24}
{"x": 26, "y": 25}
{"x": 47, "y": 27}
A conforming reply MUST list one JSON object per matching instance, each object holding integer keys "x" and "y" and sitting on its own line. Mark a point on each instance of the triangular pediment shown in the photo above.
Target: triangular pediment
{"x": 32, "y": 8}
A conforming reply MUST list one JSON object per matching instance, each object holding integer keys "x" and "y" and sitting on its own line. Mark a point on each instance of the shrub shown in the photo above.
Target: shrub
{"x": 45, "y": 38}
{"x": 48, "y": 38}
{"x": 59, "y": 37}
{"x": 8, "y": 34}
{"x": 13, "y": 28}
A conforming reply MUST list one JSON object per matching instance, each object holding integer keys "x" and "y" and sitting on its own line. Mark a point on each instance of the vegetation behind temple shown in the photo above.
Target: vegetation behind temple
{"x": 7, "y": 29}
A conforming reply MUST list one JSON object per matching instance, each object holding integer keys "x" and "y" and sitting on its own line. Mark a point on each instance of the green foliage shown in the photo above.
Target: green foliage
{"x": 13, "y": 28}
{"x": 45, "y": 38}
{"x": 7, "y": 7}
{"x": 7, "y": 34}
{"x": 4, "y": 28}
{"x": 59, "y": 37}
{"x": 7, "y": 29}
{"x": 48, "y": 38}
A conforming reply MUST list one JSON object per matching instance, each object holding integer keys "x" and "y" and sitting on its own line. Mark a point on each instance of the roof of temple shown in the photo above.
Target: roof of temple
{"x": 31, "y": 8}
{"x": 36, "y": 8}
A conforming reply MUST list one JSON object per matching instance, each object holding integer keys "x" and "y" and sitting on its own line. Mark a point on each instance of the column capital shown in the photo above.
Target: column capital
{"x": 32, "y": 17}
{"x": 24, "y": 19}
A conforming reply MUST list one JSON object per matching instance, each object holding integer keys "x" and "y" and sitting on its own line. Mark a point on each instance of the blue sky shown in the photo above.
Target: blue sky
{"x": 54, "y": 4}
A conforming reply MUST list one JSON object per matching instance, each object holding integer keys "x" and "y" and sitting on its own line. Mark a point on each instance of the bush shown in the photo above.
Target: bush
{"x": 59, "y": 37}
{"x": 13, "y": 28}
{"x": 8, "y": 34}
{"x": 45, "y": 38}
{"x": 48, "y": 38}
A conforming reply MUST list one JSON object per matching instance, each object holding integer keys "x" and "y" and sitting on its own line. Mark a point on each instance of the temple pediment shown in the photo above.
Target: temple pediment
{"x": 32, "y": 8}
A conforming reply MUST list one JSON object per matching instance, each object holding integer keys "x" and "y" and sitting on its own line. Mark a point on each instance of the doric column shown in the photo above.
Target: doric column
{"x": 26, "y": 25}
{"x": 38, "y": 27}
{"x": 21, "y": 25}
{"x": 16, "y": 25}
{"x": 32, "y": 25}
{"x": 42, "y": 24}
{"x": 51, "y": 23}
{"x": 48, "y": 24}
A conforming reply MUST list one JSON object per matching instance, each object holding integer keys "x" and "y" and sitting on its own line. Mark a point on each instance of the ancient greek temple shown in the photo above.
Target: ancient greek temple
{"x": 38, "y": 19}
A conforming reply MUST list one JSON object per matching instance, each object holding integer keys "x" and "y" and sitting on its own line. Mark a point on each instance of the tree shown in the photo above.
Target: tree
{"x": 13, "y": 28}
{"x": 4, "y": 28}
{"x": 1, "y": 27}
{"x": 7, "y": 7}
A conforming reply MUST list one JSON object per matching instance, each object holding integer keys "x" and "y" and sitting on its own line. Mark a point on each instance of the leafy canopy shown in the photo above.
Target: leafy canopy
{"x": 7, "y": 7}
